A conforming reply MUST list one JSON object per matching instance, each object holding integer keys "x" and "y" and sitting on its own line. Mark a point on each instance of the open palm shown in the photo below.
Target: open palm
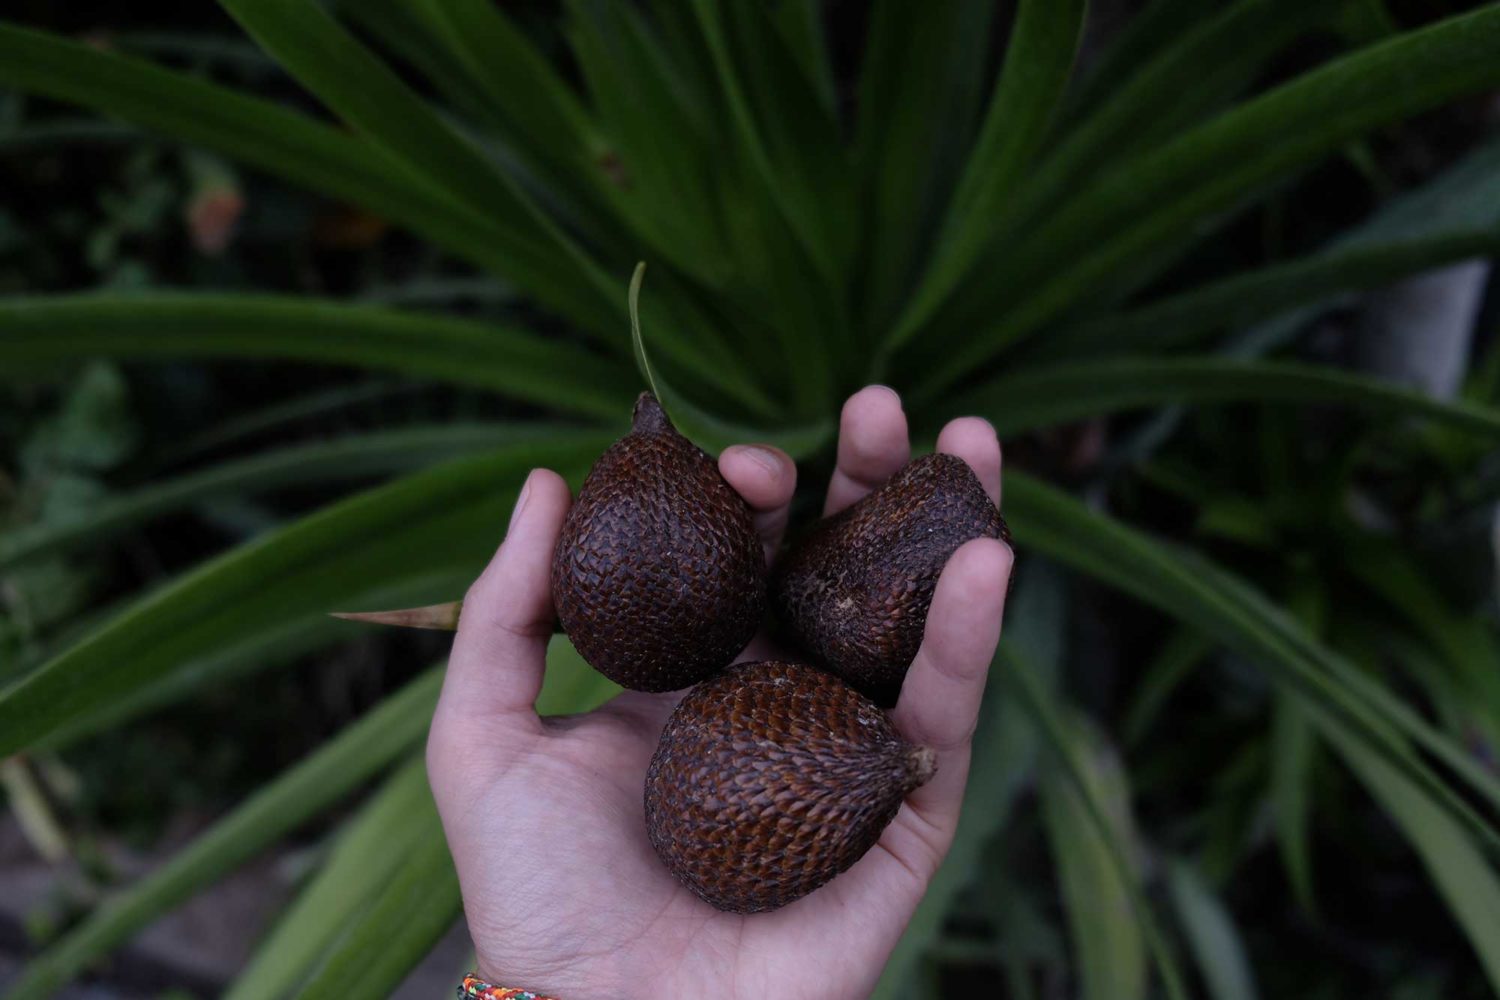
{"x": 545, "y": 817}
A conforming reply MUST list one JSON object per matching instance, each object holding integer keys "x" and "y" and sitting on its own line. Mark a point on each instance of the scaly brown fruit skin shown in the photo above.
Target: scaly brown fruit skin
{"x": 772, "y": 778}
{"x": 856, "y": 589}
{"x": 658, "y": 578}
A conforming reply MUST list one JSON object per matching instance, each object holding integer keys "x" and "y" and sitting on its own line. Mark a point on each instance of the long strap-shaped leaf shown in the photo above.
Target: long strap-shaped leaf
{"x": 371, "y": 850}
{"x": 557, "y": 155}
{"x": 406, "y": 919}
{"x": 910, "y": 140}
{"x": 707, "y": 430}
{"x": 794, "y": 146}
{"x": 1184, "y": 81}
{"x": 1292, "y": 636}
{"x": 547, "y": 261}
{"x": 349, "y": 167}
{"x": 1137, "y": 43}
{"x": 787, "y": 160}
{"x": 360, "y": 456}
{"x": 1158, "y": 198}
{"x": 1067, "y": 743}
{"x": 256, "y": 132}
{"x": 388, "y": 732}
{"x": 1211, "y": 934}
{"x": 1254, "y": 295}
{"x": 1005, "y": 745}
{"x": 518, "y": 364}
{"x": 1090, "y": 844}
{"x": 1063, "y": 528}
{"x": 1458, "y": 869}
{"x": 538, "y": 112}
{"x": 1037, "y": 397}
{"x": 1038, "y": 61}
{"x": 445, "y": 518}
{"x": 364, "y": 92}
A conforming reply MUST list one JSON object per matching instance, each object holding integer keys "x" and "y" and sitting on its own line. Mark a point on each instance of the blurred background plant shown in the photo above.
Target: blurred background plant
{"x": 295, "y": 293}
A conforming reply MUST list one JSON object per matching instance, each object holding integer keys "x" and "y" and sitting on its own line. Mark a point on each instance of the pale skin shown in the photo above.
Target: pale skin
{"x": 544, "y": 817}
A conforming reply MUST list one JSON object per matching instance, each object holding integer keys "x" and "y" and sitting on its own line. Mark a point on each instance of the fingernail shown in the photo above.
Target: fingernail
{"x": 887, "y": 389}
{"x": 763, "y": 457}
{"x": 515, "y": 512}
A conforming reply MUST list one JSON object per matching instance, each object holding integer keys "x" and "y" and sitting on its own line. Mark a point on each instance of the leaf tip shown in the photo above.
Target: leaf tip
{"x": 442, "y": 617}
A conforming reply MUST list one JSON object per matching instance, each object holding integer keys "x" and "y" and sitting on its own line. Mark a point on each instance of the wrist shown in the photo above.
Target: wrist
{"x": 558, "y": 983}
{"x": 476, "y": 987}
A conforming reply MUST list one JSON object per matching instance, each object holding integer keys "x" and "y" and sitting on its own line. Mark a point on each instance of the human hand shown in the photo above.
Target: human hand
{"x": 545, "y": 817}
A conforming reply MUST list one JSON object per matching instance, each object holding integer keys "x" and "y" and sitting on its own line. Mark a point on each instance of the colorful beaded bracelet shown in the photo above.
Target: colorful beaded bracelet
{"x": 475, "y": 989}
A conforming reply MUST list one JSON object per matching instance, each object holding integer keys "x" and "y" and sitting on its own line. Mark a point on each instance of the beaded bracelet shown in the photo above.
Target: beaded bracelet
{"x": 476, "y": 989}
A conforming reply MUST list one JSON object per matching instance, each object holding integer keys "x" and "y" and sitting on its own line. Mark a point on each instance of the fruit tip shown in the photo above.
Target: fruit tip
{"x": 649, "y": 417}
{"x": 923, "y": 765}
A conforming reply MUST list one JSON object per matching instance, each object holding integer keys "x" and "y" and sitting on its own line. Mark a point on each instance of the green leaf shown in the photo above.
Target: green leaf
{"x": 252, "y": 131}
{"x": 234, "y": 660}
{"x": 1189, "y": 78}
{"x": 354, "y": 457}
{"x": 910, "y": 141}
{"x": 803, "y": 218}
{"x": 1240, "y": 299}
{"x": 708, "y": 431}
{"x": 509, "y": 101}
{"x": 350, "y": 80}
{"x": 570, "y": 685}
{"x": 541, "y": 116}
{"x": 1456, "y": 865}
{"x": 1043, "y": 395}
{"x": 667, "y": 190}
{"x": 1164, "y": 196}
{"x": 391, "y": 730}
{"x": 1211, "y": 934}
{"x": 372, "y": 849}
{"x": 1393, "y": 710}
{"x": 518, "y": 364}
{"x": 1109, "y": 952}
{"x": 788, "y": 135}
{"x": 1202, "y": 595}
{"x": 801, "y": 26}
{"x": 1293, "y": 745}
{"x": 1463, "y": 198}
{"x": 693, "y": 209}
{"x": 1182, "y": 652}
{"x": 280, "y": 416}
{"x": 1038, "y": 61}
{"x": 445, "y": 518}
{"x": 406, "y": 919}
{"x": 1085, "y": 793}
{"x": 1004, "y": 747}
{"x": 1410, "y": 592}
{"x": 375, "y": 846}
{"x": 410, "y": 34}
{"x": 1134, "y": 46}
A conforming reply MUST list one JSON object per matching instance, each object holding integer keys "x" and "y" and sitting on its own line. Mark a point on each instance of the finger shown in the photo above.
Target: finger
{"x": 973, "y": 440}
{"x": 873, "y": 445}
{"x": 939, "y": 705}
{"x": 495, "y": 669}
{"x": 766, "y": 477}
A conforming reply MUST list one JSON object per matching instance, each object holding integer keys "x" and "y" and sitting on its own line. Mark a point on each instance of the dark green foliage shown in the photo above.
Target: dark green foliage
{"x": 1039, "y": 231}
